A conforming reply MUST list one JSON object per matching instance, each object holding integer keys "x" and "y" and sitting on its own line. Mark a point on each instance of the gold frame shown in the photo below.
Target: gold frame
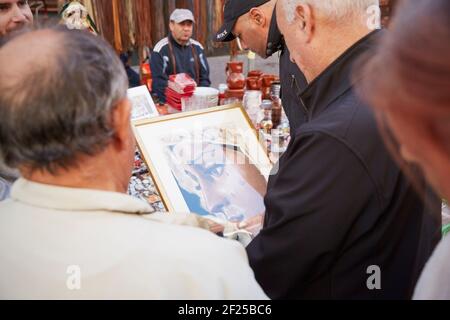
{"x": 146, "y": 157}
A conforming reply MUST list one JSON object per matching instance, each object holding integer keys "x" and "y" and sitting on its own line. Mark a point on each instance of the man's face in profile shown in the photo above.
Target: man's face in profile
{"x": 14, "y": 15}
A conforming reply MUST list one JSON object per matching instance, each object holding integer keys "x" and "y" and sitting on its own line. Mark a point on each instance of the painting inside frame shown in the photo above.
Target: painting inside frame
{"x": 142, "y": 104}
{"x": 207, "y": 162}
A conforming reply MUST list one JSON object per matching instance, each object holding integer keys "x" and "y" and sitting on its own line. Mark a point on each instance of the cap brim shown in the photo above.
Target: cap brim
{"x": 225, "y": 33}
{"x": 183, "y": 20}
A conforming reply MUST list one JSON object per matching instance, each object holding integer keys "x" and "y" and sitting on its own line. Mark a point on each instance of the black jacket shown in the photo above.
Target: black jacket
{"x": 339, "y": 204}
{"x": 292, "y": 79}
{"x": 190, "y": 59}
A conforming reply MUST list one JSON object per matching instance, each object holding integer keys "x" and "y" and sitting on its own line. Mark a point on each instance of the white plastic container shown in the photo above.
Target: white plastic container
{"x": 203, "y": 97}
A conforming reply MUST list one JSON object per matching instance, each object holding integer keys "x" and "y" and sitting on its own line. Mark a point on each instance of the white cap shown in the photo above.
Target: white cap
{"x": 180, "y": 15}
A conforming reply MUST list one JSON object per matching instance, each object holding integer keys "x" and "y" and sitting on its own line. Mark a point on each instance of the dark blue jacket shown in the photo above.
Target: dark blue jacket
{"x": 162, "y": 65}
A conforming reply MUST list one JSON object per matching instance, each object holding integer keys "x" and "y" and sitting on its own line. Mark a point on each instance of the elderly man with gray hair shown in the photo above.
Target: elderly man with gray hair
{"x": 342, "y": 221}
{"x": 69, "y": 230}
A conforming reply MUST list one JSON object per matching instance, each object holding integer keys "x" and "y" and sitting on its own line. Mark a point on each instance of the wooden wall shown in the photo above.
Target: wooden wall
{"x": 209, "y": 15}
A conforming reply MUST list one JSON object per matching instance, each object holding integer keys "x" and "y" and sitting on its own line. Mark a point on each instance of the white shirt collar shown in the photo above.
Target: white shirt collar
{"x": 73, "y": 199}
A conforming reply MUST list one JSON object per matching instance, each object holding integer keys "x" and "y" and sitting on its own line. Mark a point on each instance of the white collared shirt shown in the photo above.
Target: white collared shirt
{"x": 62, "y": 243}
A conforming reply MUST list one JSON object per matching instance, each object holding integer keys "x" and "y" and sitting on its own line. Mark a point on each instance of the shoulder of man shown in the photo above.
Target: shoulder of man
{"x": 197, "y": 229}
{"x": 161, "y": 45}
{"x": 197, "y": 44}
{"x": 346, "y": 118}
{"x": 348, "y": 125}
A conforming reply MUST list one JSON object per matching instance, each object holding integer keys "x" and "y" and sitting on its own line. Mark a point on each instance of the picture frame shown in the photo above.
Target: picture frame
{"x": 208, "y": 162}
{"x": 142, "y": 104}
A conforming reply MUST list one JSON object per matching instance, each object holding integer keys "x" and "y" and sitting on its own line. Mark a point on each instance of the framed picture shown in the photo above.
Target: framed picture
{"x": 208, "y": 162}
{"x": 142, "y": 103}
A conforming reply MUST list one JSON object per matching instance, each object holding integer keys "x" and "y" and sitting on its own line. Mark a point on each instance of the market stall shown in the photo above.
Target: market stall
{"x": 138, "y": 25}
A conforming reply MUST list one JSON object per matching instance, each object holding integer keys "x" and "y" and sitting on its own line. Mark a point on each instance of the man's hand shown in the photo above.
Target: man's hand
{"x": 215, "y": 227}
{"x": 253, "y": 224}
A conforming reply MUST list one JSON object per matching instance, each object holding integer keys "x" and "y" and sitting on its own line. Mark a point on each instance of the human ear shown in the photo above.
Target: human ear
{"x": 257, "y": 17}
{"x": 304, "y": 17}
{"x": 121, "y": 121}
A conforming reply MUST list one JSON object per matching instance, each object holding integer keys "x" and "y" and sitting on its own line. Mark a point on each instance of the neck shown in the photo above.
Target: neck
{"x": 90, "y": 173}
{"x": 333, "y": 47}
{"x": 181, "y": 43}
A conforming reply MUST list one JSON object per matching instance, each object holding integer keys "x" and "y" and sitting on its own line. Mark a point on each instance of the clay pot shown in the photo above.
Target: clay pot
{"x": 235, "y": 67}
{"x": 236, "y": 79}
{"x": 255, "y": 73}
{"x": 239, "y": 94}
{"x": 254, "y": 83}
{"x": 268, "y": 79}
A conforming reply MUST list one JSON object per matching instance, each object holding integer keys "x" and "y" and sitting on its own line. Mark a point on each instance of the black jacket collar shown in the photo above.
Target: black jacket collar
{"x": 337, "y": 78}
{"x": 274, "y": 39}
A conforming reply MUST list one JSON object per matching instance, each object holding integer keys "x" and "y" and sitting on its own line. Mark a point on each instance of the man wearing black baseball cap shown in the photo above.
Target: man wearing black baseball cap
{"x": 254, "y": 23}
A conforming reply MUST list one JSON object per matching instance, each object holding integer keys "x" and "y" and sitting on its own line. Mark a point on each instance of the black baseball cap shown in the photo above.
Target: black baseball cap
{"x": 234, "y": 9}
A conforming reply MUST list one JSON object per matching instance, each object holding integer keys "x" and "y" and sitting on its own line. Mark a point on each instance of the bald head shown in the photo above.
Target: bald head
{"x": 58, "y": 89}
{"x": 252, "y": 28}
{"x": 28, "y": 57}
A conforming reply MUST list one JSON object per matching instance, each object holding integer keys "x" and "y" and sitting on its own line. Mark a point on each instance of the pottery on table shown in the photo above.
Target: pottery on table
{"x": 254, "y": 83}
{"x": 255, "y": 73}
{"x": 235, "y": 76}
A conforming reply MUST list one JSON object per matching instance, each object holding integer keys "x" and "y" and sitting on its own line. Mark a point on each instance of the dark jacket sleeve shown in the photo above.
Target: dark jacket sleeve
{"x": 204, "y": 69}
{"x": 310, "y": 206}
{"x": 160, "y": 79}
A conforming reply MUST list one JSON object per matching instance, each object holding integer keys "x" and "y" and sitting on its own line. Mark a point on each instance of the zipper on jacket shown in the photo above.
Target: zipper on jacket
{"x": 294, "y": 81}
{"x": 304, "y": 107}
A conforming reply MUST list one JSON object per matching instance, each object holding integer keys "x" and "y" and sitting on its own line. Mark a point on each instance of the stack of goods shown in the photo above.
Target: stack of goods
{"x": 273, "y": 123}
{"x": 180, "y": 86}
{"x": 141, "y": 185}
{"x": 256, "y": 80}
{"x": 235, "y": 80}
{"x": 267, "y": 81}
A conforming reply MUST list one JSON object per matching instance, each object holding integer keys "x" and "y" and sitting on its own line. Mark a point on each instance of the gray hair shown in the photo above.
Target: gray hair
{"x": 335, "y": 9}
{"x": 62, "y": 110}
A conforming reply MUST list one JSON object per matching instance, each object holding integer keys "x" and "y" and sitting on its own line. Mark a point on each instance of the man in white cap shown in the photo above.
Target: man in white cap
{"x": 178, "y": 53}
